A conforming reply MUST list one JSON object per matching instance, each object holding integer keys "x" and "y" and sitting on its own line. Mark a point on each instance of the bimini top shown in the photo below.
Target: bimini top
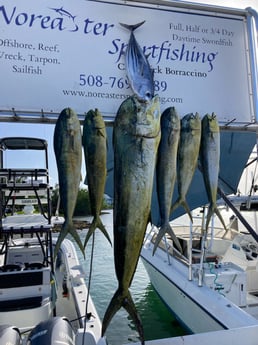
{"x": 22, "y": 143}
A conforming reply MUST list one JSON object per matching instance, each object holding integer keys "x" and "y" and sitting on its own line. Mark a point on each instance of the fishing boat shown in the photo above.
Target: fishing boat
{"x": 43, "y": 300}
{"x": 213, "y": 284}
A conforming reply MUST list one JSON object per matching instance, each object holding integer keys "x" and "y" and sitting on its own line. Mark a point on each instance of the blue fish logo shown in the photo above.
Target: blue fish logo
{"x": 63, "y": 12}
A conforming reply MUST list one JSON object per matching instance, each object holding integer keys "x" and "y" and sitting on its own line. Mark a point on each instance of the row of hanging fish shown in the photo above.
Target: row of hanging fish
{"x": 182, "y": 143}
{"x": 143, "y": 140}
{"x": 136, "y": 138}
{"x": 68, "y": 142}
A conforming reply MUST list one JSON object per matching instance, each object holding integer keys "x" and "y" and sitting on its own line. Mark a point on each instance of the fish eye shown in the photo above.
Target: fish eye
{"x": 148, "y": 95}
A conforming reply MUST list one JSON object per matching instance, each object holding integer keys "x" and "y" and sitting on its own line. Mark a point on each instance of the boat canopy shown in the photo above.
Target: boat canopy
{"x": 22, "y": 143}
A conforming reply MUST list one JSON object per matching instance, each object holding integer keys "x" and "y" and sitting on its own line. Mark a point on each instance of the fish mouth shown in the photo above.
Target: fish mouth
{"x": 147, "y": 128}
{"x": 99, "y": 127}
{"x": 151, "y": 136}
{"x": 68, "y": 114}
{"x": 143, "y": 131}
{"x": 144, "y": 100}
{"x": 148, "y": 96}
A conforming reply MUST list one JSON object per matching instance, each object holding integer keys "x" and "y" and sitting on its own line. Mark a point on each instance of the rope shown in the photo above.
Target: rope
{"x": 218, "y": 286}
{"x": 89, "y": 284}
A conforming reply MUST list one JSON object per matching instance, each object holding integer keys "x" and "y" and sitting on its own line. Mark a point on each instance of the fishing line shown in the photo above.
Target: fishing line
{"x": 89, "y": 284}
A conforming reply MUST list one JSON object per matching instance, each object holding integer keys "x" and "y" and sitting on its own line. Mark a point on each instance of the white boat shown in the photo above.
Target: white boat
{"x": 213, "y": 285}
{"x": 42, "y": 300}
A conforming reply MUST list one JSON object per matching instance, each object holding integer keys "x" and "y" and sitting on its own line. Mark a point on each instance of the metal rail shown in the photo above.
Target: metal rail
{"x": 42, "y": 117}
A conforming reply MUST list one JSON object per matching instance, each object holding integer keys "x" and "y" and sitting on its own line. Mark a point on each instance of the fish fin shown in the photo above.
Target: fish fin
{"x": 216, "y": 210}
{"x": 132, "y": 311}
{"x": 62, "y": 235}
{"x": 114, "y": 305}
{"x": 132, "y": 27}
{"x": 77, "y": 239}
{"x": 186, "y": 207}
{"x": 183, "y": 203}
{"x": 101, "y": 132}
{"x": 208, "y": 217}
{"x": 176, "y": 204}
{"x": 119, "y": 300}
{"x": 166, "y": 228}
{"x": 96, "y": 223}
{"x": 68, "y": 228}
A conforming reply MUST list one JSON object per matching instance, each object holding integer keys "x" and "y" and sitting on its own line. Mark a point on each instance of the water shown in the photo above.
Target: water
{"x": 157, "y": 321}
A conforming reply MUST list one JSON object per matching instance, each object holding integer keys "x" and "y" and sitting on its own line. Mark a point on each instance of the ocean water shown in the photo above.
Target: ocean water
{"x": 157, "y": 321}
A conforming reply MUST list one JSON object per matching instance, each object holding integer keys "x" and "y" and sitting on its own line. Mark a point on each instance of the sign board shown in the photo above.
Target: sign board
{"x": 56, "y": 54}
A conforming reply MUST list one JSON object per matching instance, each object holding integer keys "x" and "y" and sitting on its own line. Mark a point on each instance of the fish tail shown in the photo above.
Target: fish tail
{"x": 216, "y": 210}
{"x": 68, "y": 228}
{"x": 77, "y": 239}
{"x": 175, "y": 205}
{"x": 61, "y": 237}
{"x": 132, "y": 311}
{"x": 132, "y": 27}
{"x": 119, "y": 300}
{"x": 186, "y": 207}
{"x": 96, "y": 223}
{"x": 166, "y": 228}
{"x": 211, "y": 210}
{"x": 183, "y": 203}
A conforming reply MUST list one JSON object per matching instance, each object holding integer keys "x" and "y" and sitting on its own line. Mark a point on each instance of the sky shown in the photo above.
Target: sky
{"x": 46, "y": 131}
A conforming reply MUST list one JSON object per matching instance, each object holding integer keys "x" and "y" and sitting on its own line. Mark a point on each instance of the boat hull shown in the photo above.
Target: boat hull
{"x": 186, "y": 310}
{"x": 198, "y": 308}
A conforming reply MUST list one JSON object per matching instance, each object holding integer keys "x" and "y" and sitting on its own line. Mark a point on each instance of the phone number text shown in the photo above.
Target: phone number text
{"x": 114, "y": 82}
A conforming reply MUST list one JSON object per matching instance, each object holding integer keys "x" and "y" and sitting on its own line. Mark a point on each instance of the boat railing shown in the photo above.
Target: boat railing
{"x": 196, "y": 243}
{"x": 206, "y": 243}
{"x": 166, "y": 245}
{"x": 23, "y": 177}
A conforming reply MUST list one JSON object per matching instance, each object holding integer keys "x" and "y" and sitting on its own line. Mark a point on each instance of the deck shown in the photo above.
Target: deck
{"x": 237, "y": 336}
